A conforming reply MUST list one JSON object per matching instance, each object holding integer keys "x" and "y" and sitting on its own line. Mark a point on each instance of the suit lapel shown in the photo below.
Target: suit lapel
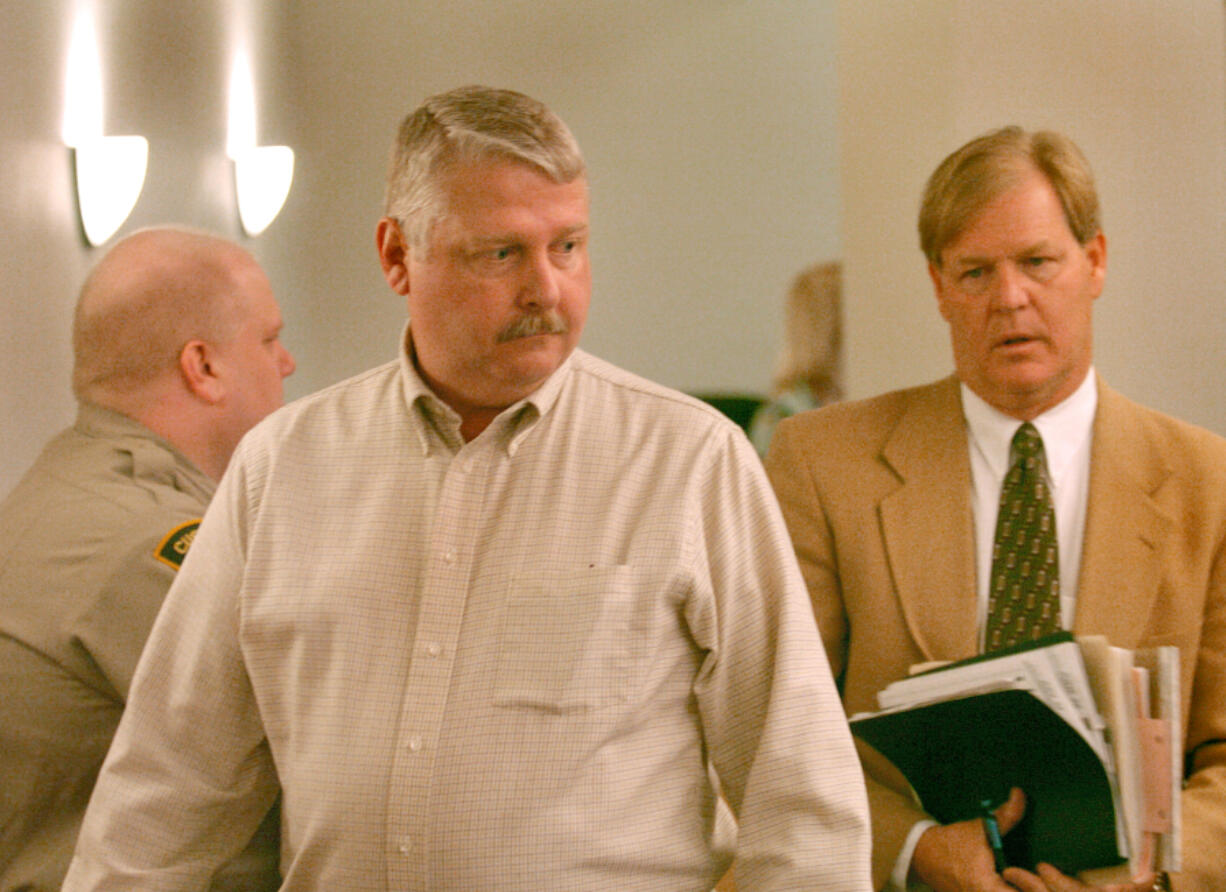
{"x": 927, "y": 525}
{"x": 1125, "y": 528}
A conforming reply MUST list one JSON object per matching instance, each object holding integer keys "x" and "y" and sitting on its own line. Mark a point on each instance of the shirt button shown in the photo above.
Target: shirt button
{"x": 449, "y": 557}
{"x": 406, "y": 846}
{"x": 433, "y": 650}
{"x": 414, "y": 744}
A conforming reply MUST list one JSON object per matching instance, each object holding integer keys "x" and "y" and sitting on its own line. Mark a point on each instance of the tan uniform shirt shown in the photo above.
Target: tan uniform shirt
{"x": 90, "y": 540}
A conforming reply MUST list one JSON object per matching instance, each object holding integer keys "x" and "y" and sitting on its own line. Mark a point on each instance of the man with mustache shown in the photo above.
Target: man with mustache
{"x": 893, "y": 502}
{"x": 492, "y": 615}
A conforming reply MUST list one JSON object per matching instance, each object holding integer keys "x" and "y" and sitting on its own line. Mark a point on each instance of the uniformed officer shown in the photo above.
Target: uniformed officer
{"x": 177, "y": 353}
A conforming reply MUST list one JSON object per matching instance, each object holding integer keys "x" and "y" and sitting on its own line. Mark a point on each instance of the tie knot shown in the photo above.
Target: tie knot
{"x": 1026, "y": 442}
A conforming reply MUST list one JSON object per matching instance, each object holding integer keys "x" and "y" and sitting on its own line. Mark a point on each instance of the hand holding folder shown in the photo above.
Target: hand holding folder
{"x": 962, "y": 855}
{"x": 1074, "y": 729}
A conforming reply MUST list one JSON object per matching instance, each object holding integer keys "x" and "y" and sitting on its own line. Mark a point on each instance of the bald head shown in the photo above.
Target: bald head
{"x": 179, "y": 330}
{"x": 151, "y": 294}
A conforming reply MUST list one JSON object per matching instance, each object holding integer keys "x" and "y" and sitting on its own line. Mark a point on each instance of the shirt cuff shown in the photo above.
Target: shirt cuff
{"x": 902, "y": 865}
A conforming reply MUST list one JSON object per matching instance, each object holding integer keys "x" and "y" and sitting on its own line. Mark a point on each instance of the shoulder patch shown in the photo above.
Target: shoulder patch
{"x": 173, "y": 547}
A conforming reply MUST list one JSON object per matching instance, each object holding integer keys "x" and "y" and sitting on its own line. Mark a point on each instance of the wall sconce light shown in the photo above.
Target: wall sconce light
{"x": 262, "y": 174}
{"x": 110, "y": 170}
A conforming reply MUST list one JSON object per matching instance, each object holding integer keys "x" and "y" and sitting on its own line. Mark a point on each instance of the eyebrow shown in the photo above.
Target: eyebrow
{"x": 511, "y": 237}
{"x": 974, "y": 260}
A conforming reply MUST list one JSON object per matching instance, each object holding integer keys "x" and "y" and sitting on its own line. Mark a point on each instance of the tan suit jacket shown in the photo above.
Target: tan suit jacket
{"x": 877, "y": 497}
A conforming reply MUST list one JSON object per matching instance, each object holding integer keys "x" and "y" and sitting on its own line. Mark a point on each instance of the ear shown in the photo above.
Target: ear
{"x": 938, "y": 288}
{"x": 393, "y": 255}
{"x": 198, "y": 363}
{"x": 1096, "y": 253}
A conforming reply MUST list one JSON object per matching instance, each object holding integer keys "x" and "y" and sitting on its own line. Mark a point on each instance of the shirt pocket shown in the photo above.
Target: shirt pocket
{"x": 566, "y": 642}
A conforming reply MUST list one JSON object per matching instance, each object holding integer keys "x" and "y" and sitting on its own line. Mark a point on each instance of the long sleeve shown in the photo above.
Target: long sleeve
{"x": 790, "y": 471}
{"x": 1204, "y": 795}
{"x": 772, "y": 715}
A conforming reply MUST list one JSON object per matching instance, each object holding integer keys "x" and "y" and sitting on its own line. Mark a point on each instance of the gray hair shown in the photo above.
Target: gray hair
{"x": 464, "y": 126}
{"x": 988, "y": 166}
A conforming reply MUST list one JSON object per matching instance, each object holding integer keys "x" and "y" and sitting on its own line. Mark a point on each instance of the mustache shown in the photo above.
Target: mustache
{"x": 550, "y": 322}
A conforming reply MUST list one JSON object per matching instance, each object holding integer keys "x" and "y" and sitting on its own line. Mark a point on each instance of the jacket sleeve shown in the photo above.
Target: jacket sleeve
{"x": 1204, "y": 794}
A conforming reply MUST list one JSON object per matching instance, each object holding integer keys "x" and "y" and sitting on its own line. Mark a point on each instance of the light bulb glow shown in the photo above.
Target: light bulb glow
{"x": 240, "y": 118}
{"x": 110, "y": 170}
{"x": 83, "y": 90}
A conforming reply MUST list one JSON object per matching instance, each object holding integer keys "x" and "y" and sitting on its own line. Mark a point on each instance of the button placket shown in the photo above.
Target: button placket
{"x": 443, "y": 597}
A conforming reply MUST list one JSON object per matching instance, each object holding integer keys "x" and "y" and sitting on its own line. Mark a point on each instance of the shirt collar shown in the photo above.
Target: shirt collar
{"x": 1064, "y": 428}
{"x": 428, "y": 412}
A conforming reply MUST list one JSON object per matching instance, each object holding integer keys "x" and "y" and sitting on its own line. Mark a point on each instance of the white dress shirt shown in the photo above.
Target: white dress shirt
{"x": 1066, "y": 432}
{"x": 501, "y": 664}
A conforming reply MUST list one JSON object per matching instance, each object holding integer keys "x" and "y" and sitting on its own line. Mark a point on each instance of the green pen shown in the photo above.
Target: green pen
{"x": 992, "y": 830}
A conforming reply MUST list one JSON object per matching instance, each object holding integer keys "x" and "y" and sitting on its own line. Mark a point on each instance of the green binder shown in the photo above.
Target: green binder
{"x": 957, "y": 753}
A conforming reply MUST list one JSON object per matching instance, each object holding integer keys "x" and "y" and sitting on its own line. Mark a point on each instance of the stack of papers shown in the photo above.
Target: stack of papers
{"x": 1083, "y": 728}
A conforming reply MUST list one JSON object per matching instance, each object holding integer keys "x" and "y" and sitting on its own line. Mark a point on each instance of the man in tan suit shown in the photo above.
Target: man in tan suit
{"x": 892, "y": 502}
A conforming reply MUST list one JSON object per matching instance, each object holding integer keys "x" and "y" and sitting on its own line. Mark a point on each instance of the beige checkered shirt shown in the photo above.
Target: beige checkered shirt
{"x": 494, "y": 665}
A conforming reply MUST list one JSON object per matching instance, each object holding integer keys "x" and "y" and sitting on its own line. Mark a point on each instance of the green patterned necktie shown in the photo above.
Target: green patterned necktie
{"x": 1024, "y": 600}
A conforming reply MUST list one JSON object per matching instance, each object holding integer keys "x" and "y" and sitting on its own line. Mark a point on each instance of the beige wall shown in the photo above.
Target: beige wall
{"x": 709, "y": 134}
{"x": 167, "y": 67}
{"x": 1139, "y": 85}
{"x": 709, "y": 129}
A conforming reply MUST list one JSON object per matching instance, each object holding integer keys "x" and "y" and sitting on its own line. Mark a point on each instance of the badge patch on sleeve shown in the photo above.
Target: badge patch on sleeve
{"x": 173, "y": 548}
